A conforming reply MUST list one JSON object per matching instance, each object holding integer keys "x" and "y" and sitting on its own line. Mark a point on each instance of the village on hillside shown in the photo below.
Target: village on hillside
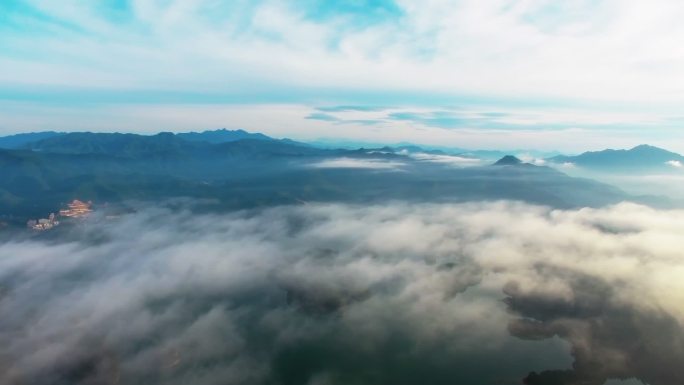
{"x": 76, "y": 209}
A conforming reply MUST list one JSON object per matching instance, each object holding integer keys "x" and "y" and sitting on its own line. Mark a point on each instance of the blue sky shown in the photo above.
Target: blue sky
{"x": 569, "y": 75}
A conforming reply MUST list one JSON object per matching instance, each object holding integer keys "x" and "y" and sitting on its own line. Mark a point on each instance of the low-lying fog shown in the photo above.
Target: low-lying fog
{"x": 486, "y": 293}
{"x": 660, "y": 184}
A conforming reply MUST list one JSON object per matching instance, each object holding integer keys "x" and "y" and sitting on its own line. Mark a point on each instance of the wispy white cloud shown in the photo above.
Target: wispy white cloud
{"x": 529, "y": 158}
{"x": 533, "y": 48}
{"x": 458, "y": 161}
{"x": 379, "y": 164}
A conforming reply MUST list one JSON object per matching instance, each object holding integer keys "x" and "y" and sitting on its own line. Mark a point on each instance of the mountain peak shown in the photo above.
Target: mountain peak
{"x": 648, "y": 148}
{"x": 222, "y": 136}
{"x": 508, "y": 160}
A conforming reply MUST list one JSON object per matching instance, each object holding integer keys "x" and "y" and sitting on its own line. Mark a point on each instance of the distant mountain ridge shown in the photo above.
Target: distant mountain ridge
{"x": 114, "y": 144}
{"x": 641, "y": 157}
{"x": 30, "y": 140}
{"x": 167, "y": 146}
{"x": 222, "y": 136}
{"x": 21, "y": 140}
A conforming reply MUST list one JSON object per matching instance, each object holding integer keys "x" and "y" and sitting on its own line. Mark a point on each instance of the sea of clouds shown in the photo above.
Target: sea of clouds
{"x": 485, "y": 293}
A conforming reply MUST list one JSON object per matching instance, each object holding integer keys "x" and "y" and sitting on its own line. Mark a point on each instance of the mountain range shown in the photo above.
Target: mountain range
{"x": 642, "y": 157}
{"x": 236, "y": 170}
{"x": 223, "y": 135}
{"x": 639, "y": 158}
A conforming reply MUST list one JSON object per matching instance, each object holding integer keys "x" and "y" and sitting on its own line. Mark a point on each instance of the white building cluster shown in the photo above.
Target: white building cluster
{"x": 43, "y": 223}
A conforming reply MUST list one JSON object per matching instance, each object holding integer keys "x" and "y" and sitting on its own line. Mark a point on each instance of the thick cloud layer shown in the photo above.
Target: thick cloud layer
{"x": 339, "y": 294}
